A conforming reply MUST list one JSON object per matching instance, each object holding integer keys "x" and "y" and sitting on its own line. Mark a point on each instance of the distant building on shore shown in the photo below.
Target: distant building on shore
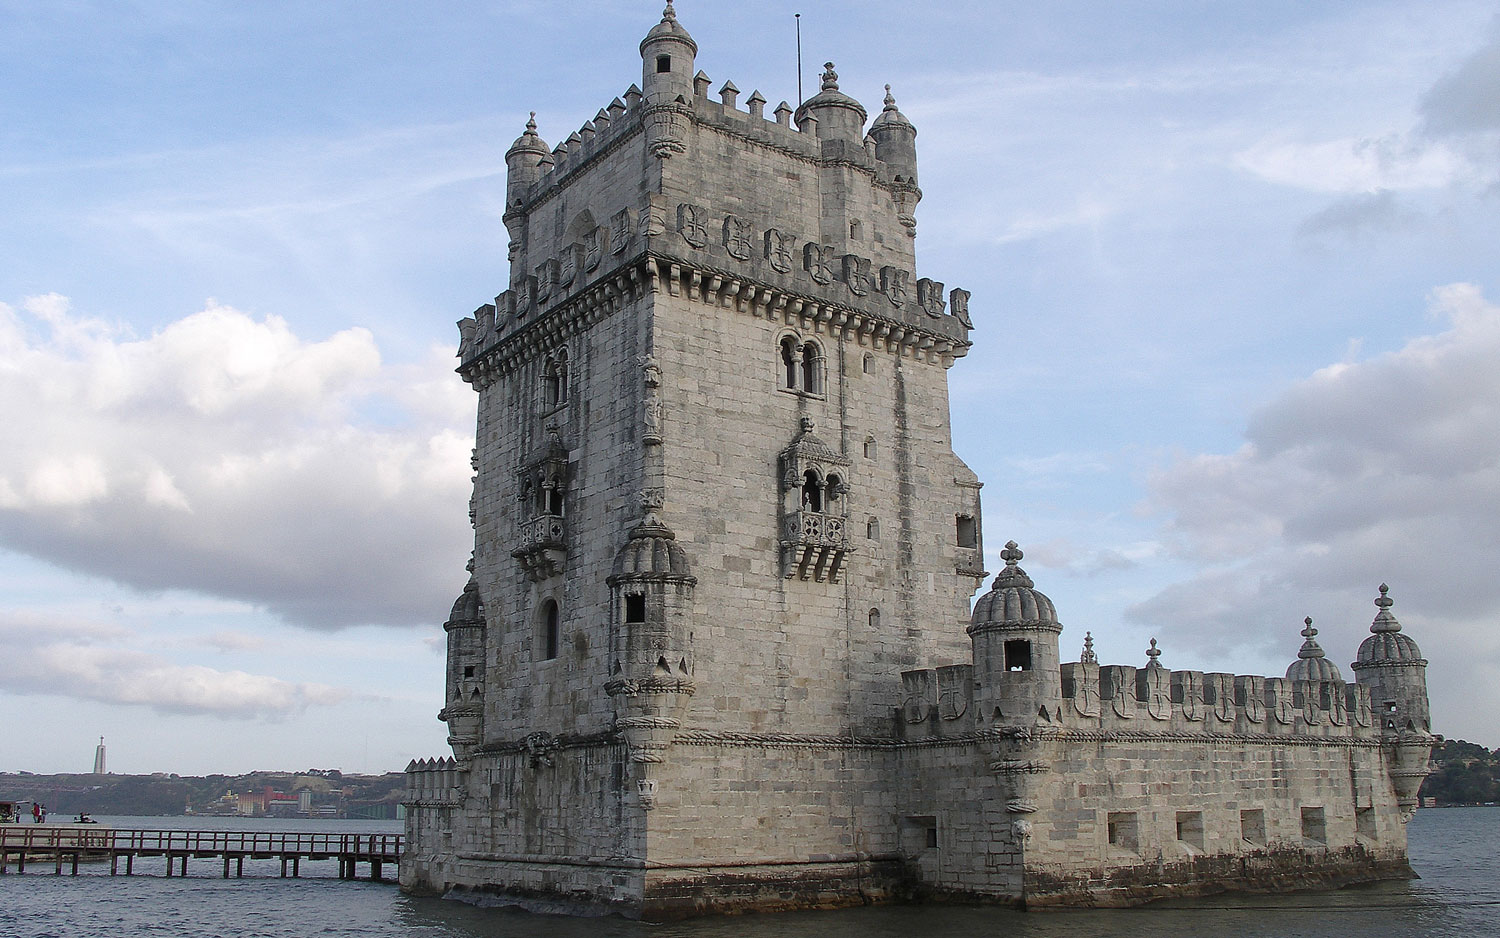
{"x": 99, "y": 757}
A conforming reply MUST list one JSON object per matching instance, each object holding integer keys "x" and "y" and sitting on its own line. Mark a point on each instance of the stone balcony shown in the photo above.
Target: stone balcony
{"x": 813, "y": 545}
{"x": 543, "y": 548}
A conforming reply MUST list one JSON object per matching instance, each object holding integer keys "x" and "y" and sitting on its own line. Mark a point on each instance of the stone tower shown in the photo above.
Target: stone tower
{"x": 716, "y": 651}
{"x": 716, "y": 506}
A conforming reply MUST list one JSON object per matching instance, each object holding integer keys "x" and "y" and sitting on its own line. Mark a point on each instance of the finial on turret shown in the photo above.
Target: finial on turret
{"x": 1012, "y": 554}
{"x": 531, "y": 123}
{"x": 1088, "y": 656}
{"x": 1153, "y": 653}
{"x": 1310, "y": 647}
{"x": 830, "y": 77}
{"x": 1384, "y": 620}
{"x": 669, "y": 13}
{"x": 890, "y": 99}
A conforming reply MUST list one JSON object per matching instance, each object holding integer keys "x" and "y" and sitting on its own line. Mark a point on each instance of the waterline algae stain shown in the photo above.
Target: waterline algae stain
{"x": 1458, "y": 895}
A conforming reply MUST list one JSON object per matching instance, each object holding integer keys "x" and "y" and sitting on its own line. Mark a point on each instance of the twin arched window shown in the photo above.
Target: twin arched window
{"x": 821, "y": 495}
{"x": 801, "y": 366}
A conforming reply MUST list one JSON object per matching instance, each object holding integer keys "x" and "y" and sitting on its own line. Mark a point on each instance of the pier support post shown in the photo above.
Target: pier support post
{"x": 226, "y": 866}
{"x": 75, "y": 864}
{"x": 129, "y": 863}
{"x": 184, "y": 865}
{"x": 374, "y": 871}
{"x": 114, "y": 863}
{"x": 239, "y": 867}
{"x": 296, "y": 866}
{"x": 169, "y": 866}
{"x": 283, "y": 866}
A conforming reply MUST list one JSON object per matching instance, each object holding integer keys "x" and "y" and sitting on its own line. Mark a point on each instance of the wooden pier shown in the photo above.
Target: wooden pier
{"x": 67, "y": 845}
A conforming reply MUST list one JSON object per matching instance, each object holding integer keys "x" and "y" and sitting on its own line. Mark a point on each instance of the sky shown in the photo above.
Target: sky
{"x": 1235, "y": 280}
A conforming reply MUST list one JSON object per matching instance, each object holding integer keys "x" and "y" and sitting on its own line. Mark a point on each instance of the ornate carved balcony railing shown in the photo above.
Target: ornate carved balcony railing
{"x": 813, "y": 545}
{"x": 543, "y": 548}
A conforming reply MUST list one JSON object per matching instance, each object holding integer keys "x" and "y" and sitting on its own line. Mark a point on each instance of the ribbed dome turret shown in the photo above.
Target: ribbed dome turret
{"x": 1386, "y": 644}
{"x": 837, "y": 114}
{"x": 468, "y": 609}
{"x": 529, "y": 142}
{"x": 1311, "y": 663}
{"x": 891, "y": 115}
{"x": 1013, "y": 600}
{"x": 668, "y": 29}
{"x": 652, "y": 551}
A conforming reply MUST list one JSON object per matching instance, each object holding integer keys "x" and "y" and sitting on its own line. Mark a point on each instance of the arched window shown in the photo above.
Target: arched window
{"x": 810, "y": 368}
{"x": 874, "y": 618}
{"x": 872, "y": 529}
{"x": 869, "y": 447}
{"x": 869, "y": 363}
{"x": 554, "y": 501}
{"x": 854, "y": 232}
{"x": 551, "y": 630}
{"x": 832, "y": 493}
{"x": 812, "y": 492}
{"x": 789, "y": 361}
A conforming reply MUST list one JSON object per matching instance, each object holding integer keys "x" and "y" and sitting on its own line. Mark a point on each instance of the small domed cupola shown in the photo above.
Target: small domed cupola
{"x": 651, "y": 552}
{"x": 1311, "y": 663}
{"x": 1013, "y": 601}
{"x": 667, "y": 56}
{"x": 1386, "y": 644}
{"x": 838, "y": 115}
{"x": 468, "y": 608}
{"x": 523, "y": 162}
{"x": 895, "y": 141}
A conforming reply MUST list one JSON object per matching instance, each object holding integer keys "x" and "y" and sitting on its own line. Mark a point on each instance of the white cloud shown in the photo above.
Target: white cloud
{"x": 227, "y": 455}
{"x": 1380, "y": 470}
{"x": 1353, "y": 165}
{"x": 98, "y": 661}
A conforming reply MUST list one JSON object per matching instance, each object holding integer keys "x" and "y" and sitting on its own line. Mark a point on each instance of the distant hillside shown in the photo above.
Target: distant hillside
{"x": 170, "y": 795}
{"x": 1466, "y": 773}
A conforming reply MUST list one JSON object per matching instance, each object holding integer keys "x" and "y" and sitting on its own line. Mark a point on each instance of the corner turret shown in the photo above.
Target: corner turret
{"x": 895, "y": 141}
{"x": 523, "y": 163}
{"x": 464, "y": 712}
{"x": 1016, "y": 660}
{"x": 667, "y": 55}
{"x": 1392, "y": 666}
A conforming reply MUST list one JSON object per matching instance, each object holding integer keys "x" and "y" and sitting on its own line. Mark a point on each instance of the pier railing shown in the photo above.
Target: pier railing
{"x": 22, "y": 842}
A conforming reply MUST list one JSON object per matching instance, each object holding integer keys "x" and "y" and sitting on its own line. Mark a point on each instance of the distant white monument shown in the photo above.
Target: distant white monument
{"x": 99, "y": 757}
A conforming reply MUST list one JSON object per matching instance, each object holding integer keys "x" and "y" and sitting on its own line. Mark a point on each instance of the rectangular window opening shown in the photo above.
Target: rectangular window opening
{"x": 968, "y": 531}
{"x": 1018, "y": 655}
{"x": 1253, "y": 826}
{"x": 918, "y": 833}
{"x": 635, "y": 607}
{"x": 468, "y": 670}
{"x": 1123, "y": 830}
{"x": 663, "y": 64}
{"x": 1364, "y": 823}
{"x": 1314, "y": 827}
{"x": 1190, "y": 828}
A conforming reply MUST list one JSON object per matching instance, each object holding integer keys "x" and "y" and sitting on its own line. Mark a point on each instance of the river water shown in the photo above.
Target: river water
{"x": 1455, "y": 850}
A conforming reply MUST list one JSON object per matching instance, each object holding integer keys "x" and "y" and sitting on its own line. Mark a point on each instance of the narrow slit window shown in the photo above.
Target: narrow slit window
{"x": 551, "y": 628}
